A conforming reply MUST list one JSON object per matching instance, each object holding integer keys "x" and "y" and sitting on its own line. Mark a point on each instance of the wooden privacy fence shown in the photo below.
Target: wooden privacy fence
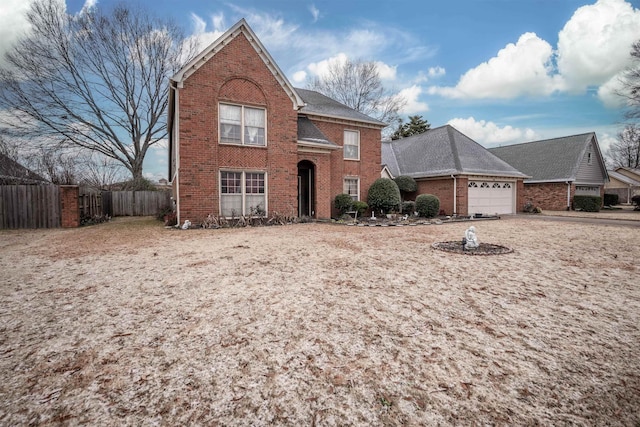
{"x": 137, "y": 203}
{"x": 29, "y": 206}
{"x": 51, "y": 206}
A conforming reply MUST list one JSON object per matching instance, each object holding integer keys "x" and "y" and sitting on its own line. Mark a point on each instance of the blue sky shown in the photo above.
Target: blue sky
{"x": 501, "y": 71}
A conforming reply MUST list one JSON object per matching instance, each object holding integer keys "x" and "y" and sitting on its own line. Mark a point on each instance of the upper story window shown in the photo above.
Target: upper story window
{"x": 589, "y": 158}
{"x": 351, "y": 144}
{"x": 242, "y": 125}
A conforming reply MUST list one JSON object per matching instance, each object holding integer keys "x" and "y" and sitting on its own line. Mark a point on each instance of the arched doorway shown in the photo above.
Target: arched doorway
{"x": 306, "y": 189}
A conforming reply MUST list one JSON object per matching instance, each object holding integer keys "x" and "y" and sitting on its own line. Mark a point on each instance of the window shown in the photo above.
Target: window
{"x": 242, "y": 125}
{"x": 351, "y": 145}
{"x": 351, "y": 187}
{"x": 589, "y": 158}
{"x": 242, "y": 193}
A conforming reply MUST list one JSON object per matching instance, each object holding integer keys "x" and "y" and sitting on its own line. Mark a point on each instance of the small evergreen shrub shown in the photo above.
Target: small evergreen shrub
{"x": 636, "y": 201}
{"x": 587, "y": 203}
{"x": 343, "y": 203}
{"x": 408, "y": 208}
{"x": 360, "y": 207}
{"x": 406, "y": 184}
{"x": 384, "y": 195}
{"x": 427, "y": 205}
{"x": 610, "y": 199}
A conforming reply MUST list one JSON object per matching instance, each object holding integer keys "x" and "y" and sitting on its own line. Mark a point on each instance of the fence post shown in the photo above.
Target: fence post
{"x": 69, "y": 206}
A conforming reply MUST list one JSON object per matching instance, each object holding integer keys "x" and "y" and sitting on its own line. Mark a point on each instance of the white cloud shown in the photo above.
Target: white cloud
{"x": 299, "y": 77}
{"x": 490, "y": 134}
{"x": 314, "y": 12}
{"x": 435, "y": 72}
{"x": 518, "y": 69}
{"x": 609, "y": 93}
{"x": 595, "y": 43}
{"x": 13, "y": 23}
{"x": 411, "y": 95}
{"x": 386, "y": 72}
{"x": 321, "y": 68}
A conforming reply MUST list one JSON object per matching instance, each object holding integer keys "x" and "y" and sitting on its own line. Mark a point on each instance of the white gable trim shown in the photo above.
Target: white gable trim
{"x": 241, "y": 27}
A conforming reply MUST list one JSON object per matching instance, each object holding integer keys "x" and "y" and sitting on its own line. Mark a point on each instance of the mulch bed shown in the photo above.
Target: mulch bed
{"x": 483, "y": 249}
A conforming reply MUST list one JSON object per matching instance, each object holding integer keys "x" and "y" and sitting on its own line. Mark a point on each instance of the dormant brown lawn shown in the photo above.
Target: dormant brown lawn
{"x": 128, "y": 323}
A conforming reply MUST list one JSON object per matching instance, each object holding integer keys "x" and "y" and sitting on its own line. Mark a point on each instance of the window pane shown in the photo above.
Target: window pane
{"x": 351, "y": 188}
{"x": 255, "y": 204}
{"x": 231, "y": 204}
{"x": 351, "y": 145}
{"x": 231, "y": 182}
{"x": 254, "y": 183}
{"x": 230, "y": 124}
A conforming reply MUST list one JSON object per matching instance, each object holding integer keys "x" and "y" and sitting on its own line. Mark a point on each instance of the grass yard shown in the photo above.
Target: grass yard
{"x": 127, "y": 323}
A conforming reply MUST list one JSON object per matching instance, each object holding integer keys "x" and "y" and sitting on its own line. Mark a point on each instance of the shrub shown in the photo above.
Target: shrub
{"x": 343, "y": 203}
{"x": 427, "y": 205}
{"x": 408, "y": 208}
{"x": 360, "y": 207}
{"x": 587, "y": 203}
{"x": 384, "y": 195}
{"x": 406, "y": 184}
{"x": 636, "y": 201}
{"x": 610, "y": 199}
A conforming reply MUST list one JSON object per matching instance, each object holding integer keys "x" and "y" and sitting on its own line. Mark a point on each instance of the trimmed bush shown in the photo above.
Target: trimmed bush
{"x": 406, "y": 184}
{"x": 587, "y": 203}
{"x": 427, "y": 205}
{"x": 384, "y": 195}
{"x": 408, "y": 208}
{"x": 343, "y": 203}
{"x": 636, "y": 201}
{"x": 610, "y": 199}
{"x": 360, "y": 207}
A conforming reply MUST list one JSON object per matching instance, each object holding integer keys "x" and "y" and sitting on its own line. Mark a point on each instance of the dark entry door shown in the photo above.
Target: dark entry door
{"x": 306, "y": 189}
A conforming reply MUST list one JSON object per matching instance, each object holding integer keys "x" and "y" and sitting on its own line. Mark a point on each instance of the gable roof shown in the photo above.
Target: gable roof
{"x": 309, "y": 135}
{"x": 549, "y": 160}
{"x": 241, "y": 27}
{"x": 12, "y": 172}
{"x": 318, "y": 104}
{"x": 443, "y": 151}
{"x": 623, "y": 178}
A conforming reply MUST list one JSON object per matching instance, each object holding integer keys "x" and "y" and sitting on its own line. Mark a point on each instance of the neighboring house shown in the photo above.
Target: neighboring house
{"x": 243, "y": 140}
{"x": 558, "y": 168}
{"x": 465, "y": 176}
{"x": 625, "y": 182}
{"x": 13, "y": 173}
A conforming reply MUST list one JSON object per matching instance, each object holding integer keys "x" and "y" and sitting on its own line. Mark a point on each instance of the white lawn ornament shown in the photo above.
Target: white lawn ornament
{"x": 186, "y": 224}
{"x": 471, "y": 240}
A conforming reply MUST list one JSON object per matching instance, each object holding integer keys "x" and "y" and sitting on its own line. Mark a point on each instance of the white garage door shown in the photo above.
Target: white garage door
{"x": 490, "y": 198}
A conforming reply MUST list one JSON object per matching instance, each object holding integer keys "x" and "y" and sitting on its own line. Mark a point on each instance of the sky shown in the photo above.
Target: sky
{"x": 500, "y": 71}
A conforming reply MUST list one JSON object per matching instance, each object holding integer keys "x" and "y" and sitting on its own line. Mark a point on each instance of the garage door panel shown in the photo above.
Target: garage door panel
{"x": 490, "y": 197}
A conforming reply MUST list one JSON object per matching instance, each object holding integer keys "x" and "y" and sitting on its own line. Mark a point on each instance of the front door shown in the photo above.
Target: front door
{"x": 306, "y": 189}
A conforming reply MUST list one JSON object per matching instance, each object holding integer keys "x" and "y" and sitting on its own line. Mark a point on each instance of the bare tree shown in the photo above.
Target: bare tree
{"x": 96, "y": 80}
{"x": 625, "y": 152}
{"x": 357, "y": 84}
{"x": 631, "y": 84}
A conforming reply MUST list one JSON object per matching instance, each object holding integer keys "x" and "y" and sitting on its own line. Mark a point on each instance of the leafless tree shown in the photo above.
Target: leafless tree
{"x": 357, "y": 84}
{"x": 631, "y": 84}
{"x": 625, "y": 151}
{"x": 97, "y": 80}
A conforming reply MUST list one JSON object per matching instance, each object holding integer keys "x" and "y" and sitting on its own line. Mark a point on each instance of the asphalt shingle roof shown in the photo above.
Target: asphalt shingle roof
{"x": 309, "y": 132}
{"x": 623, "y": 178}
{"x": 550, "y": 160}
{"x": 12, "y": 172}
{"x": 317, "y": 103}
{"x": 441, "y": 152}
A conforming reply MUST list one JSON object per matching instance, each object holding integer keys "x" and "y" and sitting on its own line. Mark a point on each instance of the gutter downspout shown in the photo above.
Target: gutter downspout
{"x": 455, "y": 194}
{"x": 176, "y": 144}
{"x": 568, "y": 195}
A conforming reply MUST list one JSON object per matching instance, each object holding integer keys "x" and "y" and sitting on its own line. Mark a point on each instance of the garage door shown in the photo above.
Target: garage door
{"x": 490, "y": 198}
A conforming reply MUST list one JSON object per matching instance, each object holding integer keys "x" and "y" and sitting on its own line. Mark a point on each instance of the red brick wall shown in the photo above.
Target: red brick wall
{"x": 547, "y": 196}
{"x": 235, "y": 74}
{"x": 69, "y": 208}
{"x": 367, "y": 169}
{"x": 442, "y": 188}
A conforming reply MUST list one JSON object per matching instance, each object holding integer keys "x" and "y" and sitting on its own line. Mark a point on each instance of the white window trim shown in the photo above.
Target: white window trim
{"x": 357, "y": 179}
{"x": 357, "y": 132}
{"x": 243, "y": 193}
{"x": 242, "y": 126}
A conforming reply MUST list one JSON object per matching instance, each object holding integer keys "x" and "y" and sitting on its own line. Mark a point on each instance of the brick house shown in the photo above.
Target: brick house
{"x": 465, "y": 176}
{"x": 559, "y": 169}
{"x": 625, "y": 182}
{"x": 243, "y": 140}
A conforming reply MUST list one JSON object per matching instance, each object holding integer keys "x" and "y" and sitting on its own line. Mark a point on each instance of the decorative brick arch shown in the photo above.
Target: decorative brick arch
{"x": 242, "y": 90}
